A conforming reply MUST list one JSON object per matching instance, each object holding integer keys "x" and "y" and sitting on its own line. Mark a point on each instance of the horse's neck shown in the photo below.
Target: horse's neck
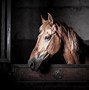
{"x": 70, "y": 46}
{"x": 64, "y": 37}
{"x": 75, "y": 50}
{"x": 69, "y": 38}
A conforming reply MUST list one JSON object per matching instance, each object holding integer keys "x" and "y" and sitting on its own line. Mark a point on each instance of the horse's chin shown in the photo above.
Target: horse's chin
{"x": 41, "y": 66}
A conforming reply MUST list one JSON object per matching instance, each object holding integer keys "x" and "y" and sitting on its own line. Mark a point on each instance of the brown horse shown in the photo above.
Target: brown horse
{"x": 50, "y": 42}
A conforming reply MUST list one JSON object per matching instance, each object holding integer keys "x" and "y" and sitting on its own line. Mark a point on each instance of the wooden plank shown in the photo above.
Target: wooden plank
{"x": 55, "y": 73}
{"x": 9, "y": 30}
{"x": 71, "y": 3}
{"x": 51, "y": 85}
{"x": 3, "y": 30}
{"x": 55, "y": 65}
{"x": 54, "y": 3}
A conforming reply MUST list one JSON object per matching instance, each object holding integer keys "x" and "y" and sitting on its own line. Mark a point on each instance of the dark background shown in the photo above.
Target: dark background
{"x": 26, "y": 21}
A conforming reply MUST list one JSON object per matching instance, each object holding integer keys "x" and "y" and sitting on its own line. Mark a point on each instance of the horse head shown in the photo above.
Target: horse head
{"x": 48, "y": 43}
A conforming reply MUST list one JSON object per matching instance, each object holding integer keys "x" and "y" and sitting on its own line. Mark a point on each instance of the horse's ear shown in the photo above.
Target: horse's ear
{"x": 43, "y": 20}
{"x": 50, "y": 19}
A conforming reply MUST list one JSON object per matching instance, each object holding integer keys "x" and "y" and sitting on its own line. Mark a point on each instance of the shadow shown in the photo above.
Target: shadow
{"x": 56, "y": 59}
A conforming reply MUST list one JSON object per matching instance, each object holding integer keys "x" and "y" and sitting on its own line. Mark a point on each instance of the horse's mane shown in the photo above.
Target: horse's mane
{"x": 83, "y": 49}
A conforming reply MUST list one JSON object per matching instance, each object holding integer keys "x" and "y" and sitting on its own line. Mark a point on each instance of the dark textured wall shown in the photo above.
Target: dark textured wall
{"x": 26, "y": 16}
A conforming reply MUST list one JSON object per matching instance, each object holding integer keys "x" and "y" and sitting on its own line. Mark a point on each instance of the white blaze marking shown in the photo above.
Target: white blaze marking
{"x": 43, "y": 44}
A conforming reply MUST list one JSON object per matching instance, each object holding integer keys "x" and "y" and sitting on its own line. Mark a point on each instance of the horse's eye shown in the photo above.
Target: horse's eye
{"x": 48, "y": 37}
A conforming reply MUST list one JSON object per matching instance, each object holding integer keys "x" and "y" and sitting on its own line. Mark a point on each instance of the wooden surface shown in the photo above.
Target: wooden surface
{"x": 55, "y": 73}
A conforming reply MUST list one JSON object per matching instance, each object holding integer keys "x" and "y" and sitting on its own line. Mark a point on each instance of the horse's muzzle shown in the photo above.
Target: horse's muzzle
{"x": 34, "y": 64}
{"x": 31, "y": 64}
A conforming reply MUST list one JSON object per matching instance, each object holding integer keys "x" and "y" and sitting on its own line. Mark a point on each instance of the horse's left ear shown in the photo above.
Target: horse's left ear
{"x": 50, "y": 19}
{"x": 43, "y": 20}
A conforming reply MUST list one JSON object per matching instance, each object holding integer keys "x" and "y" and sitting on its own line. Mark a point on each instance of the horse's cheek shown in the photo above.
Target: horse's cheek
{"x": 56, "y": 45}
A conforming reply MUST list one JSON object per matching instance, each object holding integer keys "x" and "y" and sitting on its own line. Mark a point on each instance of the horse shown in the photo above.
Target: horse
{"x": 52, "y": 38}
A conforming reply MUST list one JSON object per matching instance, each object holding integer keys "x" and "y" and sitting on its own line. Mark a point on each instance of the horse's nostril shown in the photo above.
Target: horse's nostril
{"x": 32, "y": 65}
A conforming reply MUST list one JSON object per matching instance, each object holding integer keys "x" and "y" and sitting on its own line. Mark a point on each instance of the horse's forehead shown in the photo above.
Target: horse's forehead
{"x": 45, "y": 26}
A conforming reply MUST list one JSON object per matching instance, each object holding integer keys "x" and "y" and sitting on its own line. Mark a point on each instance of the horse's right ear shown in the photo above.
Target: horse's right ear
{"x": 50, "y": 18}
{"x": 43, "y": 20}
